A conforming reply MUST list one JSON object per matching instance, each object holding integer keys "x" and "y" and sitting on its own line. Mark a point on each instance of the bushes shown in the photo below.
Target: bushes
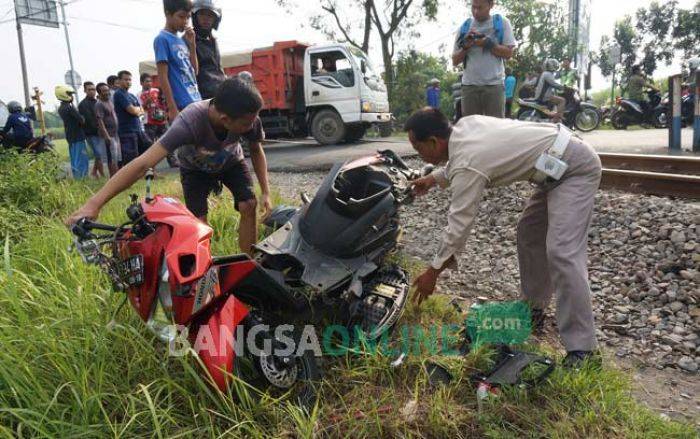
{"x": 31, "y": 187}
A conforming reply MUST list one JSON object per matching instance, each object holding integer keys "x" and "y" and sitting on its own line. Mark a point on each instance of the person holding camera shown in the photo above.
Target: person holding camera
{"x": 482, "y": 45}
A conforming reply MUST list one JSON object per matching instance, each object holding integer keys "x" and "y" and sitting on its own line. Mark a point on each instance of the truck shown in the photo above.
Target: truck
{"x": 330, "y": 92}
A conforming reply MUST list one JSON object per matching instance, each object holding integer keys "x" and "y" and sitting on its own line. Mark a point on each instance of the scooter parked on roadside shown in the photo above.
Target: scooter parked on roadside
{"x": 629, "y": 112}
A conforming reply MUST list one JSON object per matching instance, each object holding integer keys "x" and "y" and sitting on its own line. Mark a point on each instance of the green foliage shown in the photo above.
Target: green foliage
{"x": 541, "y": 31}
{"x": 413, "y": 71}
{"x": 653, "y": 35}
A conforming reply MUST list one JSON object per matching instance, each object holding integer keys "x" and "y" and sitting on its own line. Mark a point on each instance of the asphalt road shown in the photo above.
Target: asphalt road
{"x": 307, "y": 155}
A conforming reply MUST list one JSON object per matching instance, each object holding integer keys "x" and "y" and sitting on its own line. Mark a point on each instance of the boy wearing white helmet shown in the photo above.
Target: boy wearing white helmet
{"x": 546, "y": 86}
{"x": 206, "y": 17}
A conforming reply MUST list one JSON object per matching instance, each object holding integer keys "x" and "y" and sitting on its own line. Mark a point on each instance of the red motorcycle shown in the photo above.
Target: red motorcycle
{"x": 161, "y": 258}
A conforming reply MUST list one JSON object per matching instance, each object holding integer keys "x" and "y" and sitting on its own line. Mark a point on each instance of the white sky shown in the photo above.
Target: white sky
{"x": 111, "y": 35}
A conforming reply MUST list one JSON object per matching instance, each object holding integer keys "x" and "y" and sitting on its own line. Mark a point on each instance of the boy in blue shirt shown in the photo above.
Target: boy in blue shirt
{"x": 177, "y": 57}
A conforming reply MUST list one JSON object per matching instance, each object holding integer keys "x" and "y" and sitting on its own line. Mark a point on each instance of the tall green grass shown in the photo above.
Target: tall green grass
{"x": 66, "y": 372}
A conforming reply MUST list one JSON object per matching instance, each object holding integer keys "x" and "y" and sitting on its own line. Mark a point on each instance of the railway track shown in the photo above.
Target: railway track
{"x": 674, "y": 176}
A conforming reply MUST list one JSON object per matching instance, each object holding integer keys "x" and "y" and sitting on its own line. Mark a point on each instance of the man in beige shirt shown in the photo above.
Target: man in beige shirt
{"x": 480, "y": 152}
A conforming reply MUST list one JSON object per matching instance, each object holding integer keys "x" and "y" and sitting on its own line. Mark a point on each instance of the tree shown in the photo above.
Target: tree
{"x": 413, "y": 72}
{"x": 686, "y": 32}
{"x": 541, "y": 31}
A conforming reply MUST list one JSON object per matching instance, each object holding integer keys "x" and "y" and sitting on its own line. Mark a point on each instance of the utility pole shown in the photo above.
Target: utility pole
{"x": 23, "y": 60}
{"x": 70, "y": 52}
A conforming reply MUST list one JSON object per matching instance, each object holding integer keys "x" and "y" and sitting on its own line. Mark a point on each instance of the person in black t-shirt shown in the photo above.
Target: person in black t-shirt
{"x": 206, "y": 18}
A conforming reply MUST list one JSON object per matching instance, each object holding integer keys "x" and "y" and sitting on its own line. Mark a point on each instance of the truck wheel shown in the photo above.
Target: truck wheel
{"x": 328, "y": 128}
{"x": 385, "y": 129}
{"x": 355, "y": 133}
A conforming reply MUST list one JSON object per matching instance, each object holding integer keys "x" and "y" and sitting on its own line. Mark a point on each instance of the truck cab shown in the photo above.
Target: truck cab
{"x": 331, "y": 92}
{"x": 344, "y": 95}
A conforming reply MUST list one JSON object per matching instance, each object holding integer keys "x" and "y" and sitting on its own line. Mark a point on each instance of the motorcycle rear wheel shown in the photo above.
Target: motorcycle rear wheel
{"x": 660, "y": 119}
{"x": 587, "y": 120}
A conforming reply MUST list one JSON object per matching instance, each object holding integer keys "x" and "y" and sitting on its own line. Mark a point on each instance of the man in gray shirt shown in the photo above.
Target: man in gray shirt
{"x": 481, "y": 46}
{"x": 207, "y": 137}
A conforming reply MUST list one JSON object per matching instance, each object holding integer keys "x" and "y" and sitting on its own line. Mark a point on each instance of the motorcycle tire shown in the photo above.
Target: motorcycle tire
{"x": 263, "y": 373}
{"x": 587, "y": 120}
{"x": 619, "y": 121}
{"x": 660, "y": 119}
{"x": 527, "y": 115}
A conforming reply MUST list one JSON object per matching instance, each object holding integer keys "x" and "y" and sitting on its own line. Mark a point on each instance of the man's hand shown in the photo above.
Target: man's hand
{"x": 423, "y": 185}
{"x": 108, "y": 142}
{"x": 89, "y": 211}
{"x": 425, "y": 285}
{"x": 190, "y": 37}
{"x": 266, "y": 206}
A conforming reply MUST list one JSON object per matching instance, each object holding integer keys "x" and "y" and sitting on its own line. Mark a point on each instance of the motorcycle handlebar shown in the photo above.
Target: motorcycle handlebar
{"x": 84, "y": 227}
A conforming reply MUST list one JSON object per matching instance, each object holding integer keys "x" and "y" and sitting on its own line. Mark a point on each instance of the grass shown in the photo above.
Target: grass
{"x": 65, "y": 372}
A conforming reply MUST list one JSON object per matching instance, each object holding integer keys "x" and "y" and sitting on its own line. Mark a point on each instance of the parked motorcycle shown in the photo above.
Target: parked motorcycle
{"x": 38, "y": 145}
{"x": 579, "y": 115}
{"x": 629, "y": 112}
{"x": 332, "y": 251}
{"x": 161, "y": 259}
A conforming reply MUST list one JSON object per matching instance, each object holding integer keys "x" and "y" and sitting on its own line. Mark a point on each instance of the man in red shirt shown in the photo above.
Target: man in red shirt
{"x": 156, "y": 113}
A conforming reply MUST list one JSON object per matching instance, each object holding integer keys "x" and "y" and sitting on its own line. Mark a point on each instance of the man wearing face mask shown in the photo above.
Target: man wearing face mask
{"x": 206, "y": 18}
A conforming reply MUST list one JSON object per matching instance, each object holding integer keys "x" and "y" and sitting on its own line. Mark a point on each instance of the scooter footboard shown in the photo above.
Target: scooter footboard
{"x": 216, "y": 340}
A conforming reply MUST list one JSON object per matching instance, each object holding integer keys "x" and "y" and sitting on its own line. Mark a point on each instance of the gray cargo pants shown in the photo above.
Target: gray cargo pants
{"x": 552, "y": 246}
{"x": 487, "y": 100}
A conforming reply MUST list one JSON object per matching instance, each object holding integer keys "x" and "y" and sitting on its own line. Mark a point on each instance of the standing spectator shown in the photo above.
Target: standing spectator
{"x": 112, "y": 81}
{"x": 177, "y": 58}
{"x": 206, "y": 17}
{"x": 156, "y": 113}
{"x": 87, "y": 110}
{"x": 510, "y": 85}
{"x": 75, "y": 136}
{"x": 433, "y": 93}
{"x": 129, "y": 111}
{"x": 482, "y": 44}
{"x": 107, "y": 126}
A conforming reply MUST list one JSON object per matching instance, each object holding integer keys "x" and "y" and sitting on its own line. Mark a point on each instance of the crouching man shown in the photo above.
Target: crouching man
{"x": 207, "y": 137}
{"x": 481, "y": 152}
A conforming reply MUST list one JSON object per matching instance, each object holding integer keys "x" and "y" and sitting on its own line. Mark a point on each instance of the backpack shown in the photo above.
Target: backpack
{"x": 497, "y": 26}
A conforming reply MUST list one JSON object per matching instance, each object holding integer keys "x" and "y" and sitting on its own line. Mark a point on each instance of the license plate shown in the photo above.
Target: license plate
{"x": 131, "y": 271}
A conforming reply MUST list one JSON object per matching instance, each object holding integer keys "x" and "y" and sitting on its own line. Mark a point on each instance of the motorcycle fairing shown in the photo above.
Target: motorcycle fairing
{"x": 188, "y": 253}
{"x": 532, "y": 104}
{"x": 632, "y": 104}
{"x": 217, "y": 336}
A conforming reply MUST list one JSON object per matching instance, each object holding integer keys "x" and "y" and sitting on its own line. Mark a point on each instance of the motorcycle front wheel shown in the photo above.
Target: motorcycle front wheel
{"x": 528, "y": 115}
{"x": 587, "y": 120}
{"x": 619, "y": 121}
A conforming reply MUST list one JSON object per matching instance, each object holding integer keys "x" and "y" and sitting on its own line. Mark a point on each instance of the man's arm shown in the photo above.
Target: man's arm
{"x": 102, "y": 130}
{"x": 76, "y": 115}
{"x": 191, "y": 40}
{"x": 257, "y": 156}
{"x": 460, "y": 52}
{"x": 134, "y": 110}
{"x": 167, "y": 90}
{"x": 121, "y": 181}
{"x": 467, "y": 188}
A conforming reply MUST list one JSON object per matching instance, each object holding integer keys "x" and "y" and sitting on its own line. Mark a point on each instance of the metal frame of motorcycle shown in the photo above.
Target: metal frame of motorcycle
{"x": 675, "y": 110}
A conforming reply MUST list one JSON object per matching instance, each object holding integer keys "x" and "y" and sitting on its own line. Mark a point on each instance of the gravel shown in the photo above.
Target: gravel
{"x": 644, "y": 262}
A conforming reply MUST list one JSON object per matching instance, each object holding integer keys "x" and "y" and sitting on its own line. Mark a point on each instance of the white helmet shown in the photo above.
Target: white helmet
{"x": 551, "y": 65}
{"x": 209, "y": 5}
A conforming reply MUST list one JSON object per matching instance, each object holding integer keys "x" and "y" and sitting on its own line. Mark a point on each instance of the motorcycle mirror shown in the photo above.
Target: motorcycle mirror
{"x": 150, "y": 175}
{"x": 305, "y": 198}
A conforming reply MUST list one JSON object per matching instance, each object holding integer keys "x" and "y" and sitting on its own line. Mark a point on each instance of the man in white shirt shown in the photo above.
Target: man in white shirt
{"x": 480, "y": 152}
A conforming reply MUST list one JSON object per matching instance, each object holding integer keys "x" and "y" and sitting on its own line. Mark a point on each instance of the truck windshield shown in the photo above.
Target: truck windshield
{"x": 372, "y": 79}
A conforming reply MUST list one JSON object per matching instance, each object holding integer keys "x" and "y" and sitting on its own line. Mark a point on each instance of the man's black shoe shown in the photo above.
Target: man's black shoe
{"x": 577, "y": 359}
{"x": 537, "y": 317}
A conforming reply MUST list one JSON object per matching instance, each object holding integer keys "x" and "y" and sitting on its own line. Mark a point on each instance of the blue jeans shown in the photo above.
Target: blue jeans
{"x": 79, "y": 162}
{"x": 130, "y": 147}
